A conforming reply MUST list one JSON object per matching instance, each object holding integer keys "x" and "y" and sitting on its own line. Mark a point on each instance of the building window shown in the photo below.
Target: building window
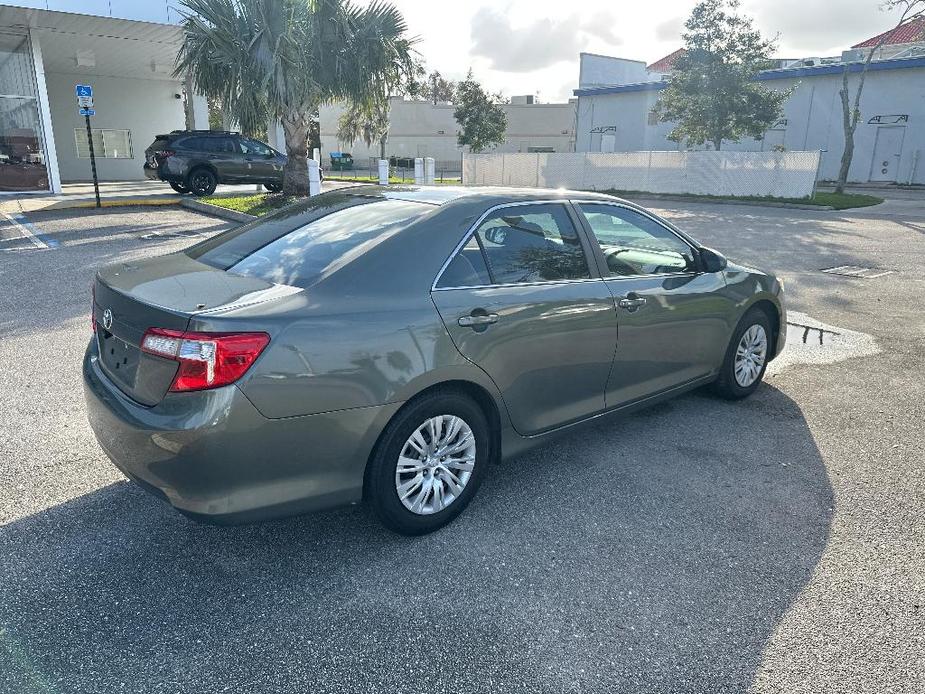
{"x": 540, "y": 150}
{"x": 107, "y": 143}
{"x": 653, "y": 117}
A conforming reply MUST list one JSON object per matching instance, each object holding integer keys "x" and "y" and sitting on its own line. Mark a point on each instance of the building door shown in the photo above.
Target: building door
{"x": 887, "y": 150}
{"x": 608, "y": 142}
{"x": 22, "y": 148}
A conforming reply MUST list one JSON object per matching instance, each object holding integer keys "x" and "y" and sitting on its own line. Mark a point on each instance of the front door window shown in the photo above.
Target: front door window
{"x": 22, "y": 152}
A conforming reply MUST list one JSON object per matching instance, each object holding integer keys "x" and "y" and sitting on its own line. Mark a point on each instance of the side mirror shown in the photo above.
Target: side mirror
{"x": 496, "y": 235}
{"x": 712, "y": 261}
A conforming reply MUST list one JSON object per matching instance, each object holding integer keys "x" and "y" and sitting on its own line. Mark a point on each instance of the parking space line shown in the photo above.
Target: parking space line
{"x": 22, "y": 226}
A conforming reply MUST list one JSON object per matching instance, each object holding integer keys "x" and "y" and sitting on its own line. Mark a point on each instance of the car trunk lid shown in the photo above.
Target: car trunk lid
{"x": 164, "y": 292}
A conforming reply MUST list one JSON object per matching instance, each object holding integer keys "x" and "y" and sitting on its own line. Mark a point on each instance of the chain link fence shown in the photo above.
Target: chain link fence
{"x": 773, "y": 174}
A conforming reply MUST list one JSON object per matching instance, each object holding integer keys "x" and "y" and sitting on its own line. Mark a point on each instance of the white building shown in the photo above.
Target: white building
{"x": 889, "y": 140}
{"x": 422, "y": 129}
{"x": 124, "y": 49}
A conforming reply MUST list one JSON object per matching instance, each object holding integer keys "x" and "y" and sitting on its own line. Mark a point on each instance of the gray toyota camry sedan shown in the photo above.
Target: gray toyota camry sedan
{"x": 389, "y": 344}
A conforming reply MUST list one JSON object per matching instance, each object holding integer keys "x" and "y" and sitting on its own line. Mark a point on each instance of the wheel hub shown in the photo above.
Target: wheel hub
{"x": 751, "y": 354}
{"x": 435, "y": 464}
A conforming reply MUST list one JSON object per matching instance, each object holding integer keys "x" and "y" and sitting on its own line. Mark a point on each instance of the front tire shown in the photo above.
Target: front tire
{"x": 201, "y": 182}
{"x": 746, "y": 357}
{"x": 179, "y": 187}
{"x": 429, "y": 463}
{"x": 273, "y": 187}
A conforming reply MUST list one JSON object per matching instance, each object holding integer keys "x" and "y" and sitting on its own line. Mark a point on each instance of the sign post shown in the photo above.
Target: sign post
{"x": 85, "y": 108}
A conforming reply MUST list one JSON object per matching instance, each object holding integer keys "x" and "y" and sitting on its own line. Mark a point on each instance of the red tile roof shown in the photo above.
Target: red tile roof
{"x": 667, "y": 63}
{"x": 912, "y": 31}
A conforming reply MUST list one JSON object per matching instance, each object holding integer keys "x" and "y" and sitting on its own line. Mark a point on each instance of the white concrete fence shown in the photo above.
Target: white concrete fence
{"x": 775, "y": 174}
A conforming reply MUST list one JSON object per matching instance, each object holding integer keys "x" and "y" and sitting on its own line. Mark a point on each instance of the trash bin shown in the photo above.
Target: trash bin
{"x": 341, "y": 161}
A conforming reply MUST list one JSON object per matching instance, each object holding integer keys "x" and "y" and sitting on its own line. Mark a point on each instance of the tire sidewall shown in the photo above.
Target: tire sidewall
{"x": 727, "y": 381}
{"x": 380, "y": 489}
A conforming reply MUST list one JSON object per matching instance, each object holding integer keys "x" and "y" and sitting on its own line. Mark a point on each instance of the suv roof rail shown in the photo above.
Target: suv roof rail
{"x": 205, "y": 132}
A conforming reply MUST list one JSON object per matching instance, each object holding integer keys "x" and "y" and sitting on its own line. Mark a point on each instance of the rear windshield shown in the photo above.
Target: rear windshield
{"x": 336, "y": 230}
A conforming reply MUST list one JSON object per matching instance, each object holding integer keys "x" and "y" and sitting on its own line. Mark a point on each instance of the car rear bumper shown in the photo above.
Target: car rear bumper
{"x": 213, "y": 456}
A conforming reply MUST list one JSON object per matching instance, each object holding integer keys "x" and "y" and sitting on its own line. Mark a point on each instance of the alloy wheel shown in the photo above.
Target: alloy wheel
{"x": 750, "y": 355}
{"x": 435, "y": 464}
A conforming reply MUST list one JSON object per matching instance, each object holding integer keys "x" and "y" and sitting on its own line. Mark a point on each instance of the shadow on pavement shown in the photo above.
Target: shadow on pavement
{"x": 651, "y": 553}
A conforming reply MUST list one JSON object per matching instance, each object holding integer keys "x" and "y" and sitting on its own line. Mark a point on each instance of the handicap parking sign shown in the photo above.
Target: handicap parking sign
{"x": 84, "y": 90}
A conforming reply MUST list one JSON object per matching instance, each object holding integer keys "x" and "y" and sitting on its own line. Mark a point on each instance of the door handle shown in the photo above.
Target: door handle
{"x": 631, "y": 301}
{"x": 475, "y": 320}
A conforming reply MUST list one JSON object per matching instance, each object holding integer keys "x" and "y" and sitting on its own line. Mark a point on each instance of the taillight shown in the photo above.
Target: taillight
{"x": 93, "y": 307}
{"x": 207, "y": 360}
{"x": 163, "y": 153}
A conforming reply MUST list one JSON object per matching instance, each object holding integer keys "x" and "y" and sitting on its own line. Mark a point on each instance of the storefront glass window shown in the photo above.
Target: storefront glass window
{"x": 22, "y": 153}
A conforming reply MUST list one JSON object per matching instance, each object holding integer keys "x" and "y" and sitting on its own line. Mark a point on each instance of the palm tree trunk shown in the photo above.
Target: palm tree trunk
{"x": 295, "y": 174}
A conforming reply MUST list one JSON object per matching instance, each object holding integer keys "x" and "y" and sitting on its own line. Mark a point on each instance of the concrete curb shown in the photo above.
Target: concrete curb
{"x": 721, "y": 201}
{"x": 216, "y": 211}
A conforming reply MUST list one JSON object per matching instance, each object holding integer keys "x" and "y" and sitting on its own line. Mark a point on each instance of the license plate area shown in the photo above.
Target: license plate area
{"x": 118, "y": 358}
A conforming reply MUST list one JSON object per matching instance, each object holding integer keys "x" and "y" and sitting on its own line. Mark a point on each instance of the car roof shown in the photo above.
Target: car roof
{"x": 488, "y": 195}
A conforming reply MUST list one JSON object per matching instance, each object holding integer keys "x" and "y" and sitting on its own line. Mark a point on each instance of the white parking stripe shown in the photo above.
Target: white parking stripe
{"x": 25, "y": 232}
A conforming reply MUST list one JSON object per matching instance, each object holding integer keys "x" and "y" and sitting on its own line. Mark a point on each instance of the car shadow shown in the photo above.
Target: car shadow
{"x": 654, "y": 552}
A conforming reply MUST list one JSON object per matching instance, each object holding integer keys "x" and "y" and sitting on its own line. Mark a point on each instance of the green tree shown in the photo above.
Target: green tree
{"x": 281, "y": 59}
{"x": 480, "y": 116}
{"x": 437, "y": 88}
{"x": 366, "y": 121}
{"x": 712, "y": 94}
{"x": 912, "y": 11}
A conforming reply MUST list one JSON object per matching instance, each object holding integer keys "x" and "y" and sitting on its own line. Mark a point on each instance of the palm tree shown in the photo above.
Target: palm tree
{"x": 365, "y": 121}
{"x": 281, "y": 59}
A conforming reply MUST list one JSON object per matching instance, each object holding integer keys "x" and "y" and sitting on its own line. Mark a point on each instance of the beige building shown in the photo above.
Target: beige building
{"x": 422, "y": 129}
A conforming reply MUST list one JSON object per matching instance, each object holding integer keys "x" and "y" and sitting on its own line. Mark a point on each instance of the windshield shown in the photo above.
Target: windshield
{"x": 283, "y": 251}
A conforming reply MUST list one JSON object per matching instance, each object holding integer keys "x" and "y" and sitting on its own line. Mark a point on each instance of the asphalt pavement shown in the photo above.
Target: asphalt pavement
{"x": 769, "y": 545}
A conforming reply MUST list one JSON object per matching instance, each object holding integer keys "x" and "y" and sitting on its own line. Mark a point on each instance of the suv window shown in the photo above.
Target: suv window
{"x": 635, "y": 244}
{"x": 209, "y": 144}
{"x": 340, "y": 229}
{"x": 255, "y": 147}
{"x": 532, "y": 243}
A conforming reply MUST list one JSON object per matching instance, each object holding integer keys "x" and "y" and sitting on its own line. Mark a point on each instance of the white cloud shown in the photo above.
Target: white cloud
{"x": 529, "y": 46}
{"x": 538, "y": 44}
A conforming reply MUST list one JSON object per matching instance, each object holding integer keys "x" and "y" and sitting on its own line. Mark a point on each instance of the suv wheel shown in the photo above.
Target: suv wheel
{"x": 179, "y": 187}
{"x": 429, "y": 463}
{"x": 201, "y": 182}
{"x": 273, "y": 187}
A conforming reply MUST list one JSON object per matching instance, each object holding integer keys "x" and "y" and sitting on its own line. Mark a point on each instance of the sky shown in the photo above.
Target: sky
{"x": 532, "y": 46}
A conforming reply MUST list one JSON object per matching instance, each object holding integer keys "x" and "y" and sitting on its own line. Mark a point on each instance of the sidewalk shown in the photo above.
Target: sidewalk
{"x": 111, "y": 194}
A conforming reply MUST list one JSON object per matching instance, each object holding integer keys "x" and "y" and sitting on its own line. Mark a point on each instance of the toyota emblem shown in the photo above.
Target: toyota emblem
{"x": 107, "y": 319}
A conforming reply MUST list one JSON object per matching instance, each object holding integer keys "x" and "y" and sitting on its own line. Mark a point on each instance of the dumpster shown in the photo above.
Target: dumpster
{"x": 341, "y": 161}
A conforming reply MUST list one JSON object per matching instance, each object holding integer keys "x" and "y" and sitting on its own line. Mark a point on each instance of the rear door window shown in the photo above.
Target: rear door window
{"x": 341, "y": 228}
{"x": 532, "y": 243}
{"x": 467, "y": 268}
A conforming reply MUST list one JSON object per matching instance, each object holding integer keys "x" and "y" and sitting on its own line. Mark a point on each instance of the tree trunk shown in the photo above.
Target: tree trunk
{"x": 846, "y": 158}
{"x": 848, "y": 131}
{"x": 382, "y": 147}
{"x": 718, "y": 144}
{"x": 295, "y": 173}
{"x": 188, "y": 101}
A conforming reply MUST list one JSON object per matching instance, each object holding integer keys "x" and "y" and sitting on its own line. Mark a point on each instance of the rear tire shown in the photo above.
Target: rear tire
{"x": 423, "y": 475}
{"x": 201, "y": 182}
{"x": 179, "y": 187}
{"x": 746, "y": 357}
{"x": 273, "y": 187}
